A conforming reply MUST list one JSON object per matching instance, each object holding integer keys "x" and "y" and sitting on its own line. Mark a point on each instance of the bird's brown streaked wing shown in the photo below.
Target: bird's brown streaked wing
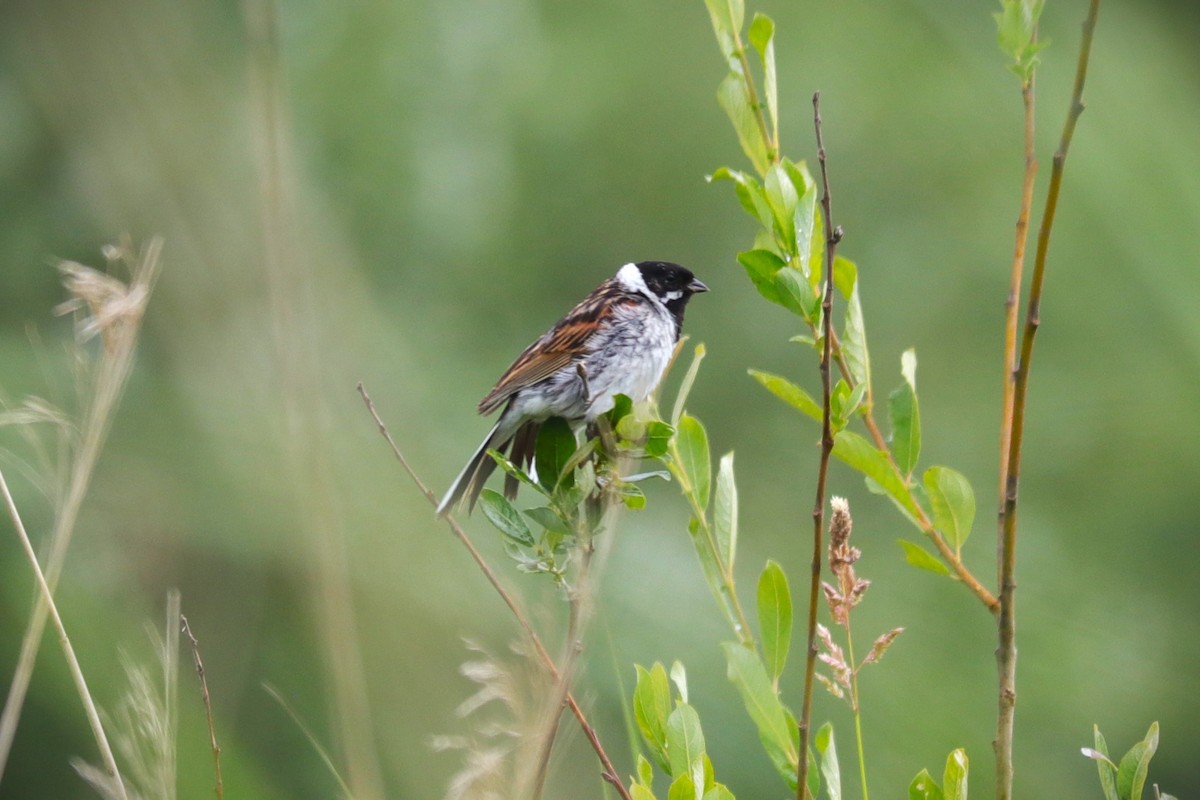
{"x": 557, "y": 348}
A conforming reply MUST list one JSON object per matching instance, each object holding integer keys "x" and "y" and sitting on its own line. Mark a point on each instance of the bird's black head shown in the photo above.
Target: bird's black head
{"x": 672, "y": 284}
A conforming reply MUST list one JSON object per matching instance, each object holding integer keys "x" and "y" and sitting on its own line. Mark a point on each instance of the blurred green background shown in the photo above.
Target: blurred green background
{"x": 457, "y": 174}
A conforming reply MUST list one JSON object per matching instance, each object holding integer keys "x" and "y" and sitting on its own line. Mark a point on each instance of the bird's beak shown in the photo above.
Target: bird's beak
{"x": 695, "y": 287}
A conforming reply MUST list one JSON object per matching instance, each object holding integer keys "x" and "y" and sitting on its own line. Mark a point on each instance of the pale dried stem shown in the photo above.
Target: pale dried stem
{"x": 47, "y": 595}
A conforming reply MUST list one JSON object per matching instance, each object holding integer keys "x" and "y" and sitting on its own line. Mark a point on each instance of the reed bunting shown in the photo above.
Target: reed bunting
{"x": 618, "y": 340}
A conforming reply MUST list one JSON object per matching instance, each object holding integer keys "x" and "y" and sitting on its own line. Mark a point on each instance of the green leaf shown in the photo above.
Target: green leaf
{"x": 640, "y": 792}
{"x": 854, "y": 338}
{"x": 796, "y": 295}
{"x": 774, "y": 618}
{"x": 918, "y": 556}
{"x": 555, "y": 445}
{"x": 658, "y": 439}
{"x": 789, "y": 393}
{"x": 749, "y": 193}
{"x": 548, "y": 519}
{"x": 923, "y": 787}
{"x": 954, "y": 781}
{"x": 682, "y": 788}
{"x": 679, "y": 678}
{"x": 762, "y": 266}
{"x": 685, "y": 744}
{"x": 809, "y": 247}
{"x": 725, "y": 512}
{"x": 645, "y": 772}
{"x": 711, "y": 569}
{"x": 953, "y": 503}
{"x": 762, "y": 34}
{"x": 906, "y": 416}
{"x": 518, "y": 473}
{"x": 872, "y": 463}
{"x": 746, "y": 671}
{"x": 691, "y": 442}
{"x": 783, "y": 199}
{"x": 831, "y": 772}
{"x": 719, "y": 792}
{"x": 727, "y": 17}
{"x": 1108, "y": 770}
{"x": 685, "y": 388}
{"x": 651, "y": 708}
{"x": 622, "y": 406}
{"x": 507, "y": 519}
{"x": 1131, "y": 773}
{"x": 734, "y": 97}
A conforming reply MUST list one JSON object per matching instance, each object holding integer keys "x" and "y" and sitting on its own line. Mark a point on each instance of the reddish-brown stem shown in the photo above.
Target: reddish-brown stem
{"x": 608, "y": 772}
{"x": 1006, "y": 651}
{"x": 832, "y": 237}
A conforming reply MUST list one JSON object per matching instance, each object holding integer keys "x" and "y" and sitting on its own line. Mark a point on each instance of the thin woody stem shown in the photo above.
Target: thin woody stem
{"x": 608, "y": 772}
{"x": 832, "y": 237}
{"x": 1006, "y": 652}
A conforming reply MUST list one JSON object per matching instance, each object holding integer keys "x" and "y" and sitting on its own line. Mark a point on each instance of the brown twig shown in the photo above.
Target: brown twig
{"x": 212, "y": 731}
{"x": 608, "y": 772}
{"x": 1006, "y": 651}
{"x": 1012, "y": 301}
{"x": 951, "y": 558}
{"x": 833, "y": 235}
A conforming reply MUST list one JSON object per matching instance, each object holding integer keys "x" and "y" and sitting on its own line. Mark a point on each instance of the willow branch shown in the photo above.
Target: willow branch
{"x": 608, "y": 772}
{"x": 832, "y": 237}
{"x": 1006, "y": 653}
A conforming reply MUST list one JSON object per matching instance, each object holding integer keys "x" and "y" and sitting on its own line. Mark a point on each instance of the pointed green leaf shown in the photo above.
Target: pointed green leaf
{"x": 725, "y": 512}
{"x": 954, "y": 782}
{"x": 518, "y": 473}
{"x": 651, "y": 708}
{"x": 682, "y": 788}
{"x": 640, "y": 792}
{"x": 789, "y": 393}
{"x": 555, "y": 446}
{"x": 783, "y": 199}
{"x": 953, "y": 503}
{"x": 548, "y": 519}
{"x": 658, "y": 439}
{"x": 749, "y": 193}
{"x": 685, "y": 386}
{"x": 762, "y": 35}
{"x": 906, "y": 416}
{"x": 719, "y": 792}
{"x": 923, "y": 787}
{"x": 1134, "y": 766}
{"x": 918, "y": 556}
{"x": 691, "y": 442}
{"x": 796, "y": 295}
{"x": 727, "y": 17}
{"x": 1108, "y": 770}
{"x": 762, "y": 266}
{"x": 872, "y": 463}
{"x": 507, "y": 519}
{"x": 645, "y": 772}
{"x": 774, "y": 618}
{"x": 711, "y": 569}
{"x": 831, "y": 772}
{"x": 679, "y": 678}
{"x": 685, "y": 743}
{"x": 746, "y": 671}
{"x": 854, "y": 338}
{"x": 734, "y": 97}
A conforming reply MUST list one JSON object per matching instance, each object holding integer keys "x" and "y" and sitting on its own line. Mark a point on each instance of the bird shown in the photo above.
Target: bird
{"x": 617, "y": 340}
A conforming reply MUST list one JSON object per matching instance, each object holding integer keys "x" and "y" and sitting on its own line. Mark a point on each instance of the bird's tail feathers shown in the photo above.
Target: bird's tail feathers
{"x": 469, "y": 482}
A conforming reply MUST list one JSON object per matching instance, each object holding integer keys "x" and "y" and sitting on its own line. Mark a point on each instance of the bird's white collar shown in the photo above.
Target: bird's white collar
{"x": 630, "y": 277}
